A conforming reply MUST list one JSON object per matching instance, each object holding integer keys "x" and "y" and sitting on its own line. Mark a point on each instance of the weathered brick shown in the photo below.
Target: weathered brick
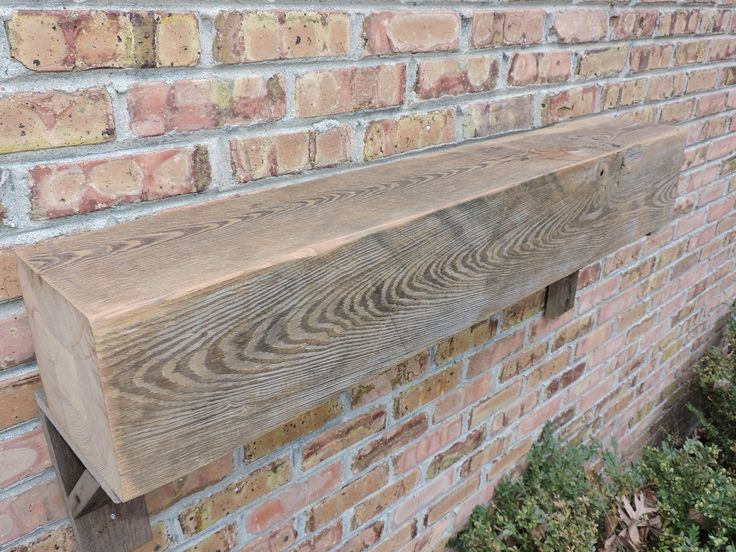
{"x": 623, "y": 93}
{"x": 573, "y": 331}
{"x": 722, "y": 49}
{"x": 392, "y": 136}
{"x": 455, "y": 453}
{"x": 698, "y": 81}
{"x": 297, "y": 427}
{"x": 455, "y": 401}
{"x": 501, "y": 349}
{"x": 580, "y": 25}
{"x": 455, "y": 495}
{"x": 350, "y": 89}
{"x": 326, "y": 540}
{"x": 548, "y": 369}
{"x": 511, "y": 458}
{"x": 277, "y": 540}
{"x": 16, "y": 343}
{"x": 71, "y": 188}
{"x": 452, "y": 77}
{"x": 632, "y": 24}
{"x": 168, "y": 494}
{"x": 23, "y": 456}
{"x": 60, "y": 539}
{"x": 602, "y": 62}
{"x": 160, "y": 540}
{"x": 539, "y": 68}
{"x": 331, "y": 507}
{"x": 523, "y": 361}
{"x": 243, "y": 37}
{"x": 39, "y": 120}
{"x": 384, "y": 383}
{"x": 65, "y": 40}
{"x": 379, "y": 502}
{"x": 691, "y": 52}
{"x": 650, "y": 57}
{"x": 489, "y": 453}
{"x": 395, "y": 438}
{"x": 426, "y": 495}
{"x": 393, "y": 32}
{"x": 223, "y": 540}
{"x": 428, "y": 390}
{"x": 570, "y": 103}
{"x": 289, "y": 153}
{"x": 399, "y": 537}
{"x": 365, "y": 539}
{"x": 236, "y": 495}
{"x": 495, "y": 403}
{"x": 524, "y": 309}
{"x": 505, "y": 28}
{"x": 429, "y": 444}
{"x": 158, "y": 107}
{"x": 294, "y": 498}
{"x": 498, "y": 116}
{"x": 9, "y": 284}
{"x": 679, "y": 22}
{"x": 475, "y": 335}
{"x": 17, "y": 402}
{"x": 565, "y": 379}
{"x": 22, "y": 513}
{"x": 341, "y": 437}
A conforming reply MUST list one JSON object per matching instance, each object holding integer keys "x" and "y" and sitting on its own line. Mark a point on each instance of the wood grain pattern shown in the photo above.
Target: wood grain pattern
{"x": 561, "y": 296}
{"x": 212, "y": 325}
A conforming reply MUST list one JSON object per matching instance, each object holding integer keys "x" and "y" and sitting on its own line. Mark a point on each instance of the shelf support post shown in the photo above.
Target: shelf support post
{"x": 561, "y": 296}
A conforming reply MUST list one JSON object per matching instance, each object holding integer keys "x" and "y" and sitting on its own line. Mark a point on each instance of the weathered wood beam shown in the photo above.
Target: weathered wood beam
{"x": 166, "y": 342}
{"x": 561, "y": 296}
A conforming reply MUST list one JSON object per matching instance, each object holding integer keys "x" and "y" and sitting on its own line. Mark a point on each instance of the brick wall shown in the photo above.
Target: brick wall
{"x": 111, "y": 115}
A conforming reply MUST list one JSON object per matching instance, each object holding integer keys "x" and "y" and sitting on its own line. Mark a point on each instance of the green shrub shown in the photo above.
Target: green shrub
{"x": 715, "y": 381}
{"x": 677, "y": 499}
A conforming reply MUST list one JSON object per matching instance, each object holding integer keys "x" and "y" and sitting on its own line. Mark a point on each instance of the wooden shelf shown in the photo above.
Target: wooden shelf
{"x": 165, "y": 342}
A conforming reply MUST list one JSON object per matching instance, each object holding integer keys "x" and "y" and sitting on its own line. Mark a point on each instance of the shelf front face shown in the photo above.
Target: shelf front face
{"x": 166, "y": 342}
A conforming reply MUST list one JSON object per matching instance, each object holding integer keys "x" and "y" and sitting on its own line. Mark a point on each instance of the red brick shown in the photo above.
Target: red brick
{"x": 334, "y": 440}
{"x": 631, "y": 24}
{"x": 429, "y": 444}
{"x": 663, "y": 87}
{"x": 324, "y": 541}
{"x": 60, "y": 539}
{"x": 333, "y": 506}
{"x": 277, "y": 540}
{"x": 455, "y": 401}
{"x": 365, "y": 539}
{"x": 9, "y": 284}
{"x": 593, "y": 340}
{"x": 235, "y": 496}
{"x": 650, "y": 57}
{"x": 384, "y": 383}
{"x": 168, "y": 494}
{"x": 223, "y": 540}
{"x": 294, "y": 498}
{"x": 524, "y": 309}
{"x": 698, "y": 81}
{"x": 498, "y": 116}
{"x": 350, "y": 89}
{"x": 565, "y": 379}
{"x": 623, "y": 93}
{"x": 450, "y": 500}
{"x": 158, "y": 107}
{"x": 679, "y": 22}
{"x": 243, "y": 37}
{"x": 455, "y": 453}
{"x": 23, "y": 513}
{"x": 722, "y": 48}
{"x": 16, "y": 343}
{"x": 539, "y": 68}
{"x": 676, "y": 112}
{"x": 392, "y": 136}
{"x": 452, "y": 77}
{"x": 427, "y": 390}
{"x": 495, "y": 403}
{"x": 17, "y": 401}
{"x": 568, "y": 104}
{"x": 505, "y": 28}
{"x": 61, "y": 40}
{"x": 23, "y": 456}
{"x": 463, "y": 341}
{"x": 39, "y": 120}
{"x": 398, "y": 537}
{"x": 71, "y": 188}
{"x": 489, "y": 453}
{"x": 500, "y": 350}
{"x": 580, "y": 25}
{"x": 410, "y": 506}
{"x": 299, "y": 426}
{"x": 393, "y": 32}
{"x": 691, "y": 52}
{"x": 379, "y": 502}
{"x": 289, "y": 153}
{"x": 393, "y": 439}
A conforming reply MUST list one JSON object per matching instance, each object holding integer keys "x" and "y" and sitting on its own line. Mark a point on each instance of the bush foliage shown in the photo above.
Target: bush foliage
{"x": 675, "y": 498}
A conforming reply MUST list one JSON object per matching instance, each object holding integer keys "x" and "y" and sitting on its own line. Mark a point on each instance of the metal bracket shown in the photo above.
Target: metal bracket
{"x": 100, "y": 521}
{"x": 561, "y": 296}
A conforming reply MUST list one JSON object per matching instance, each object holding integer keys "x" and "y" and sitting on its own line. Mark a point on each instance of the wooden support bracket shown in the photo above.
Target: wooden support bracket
{"x": 561, "y": 296}
{"x": 100, "y": 521}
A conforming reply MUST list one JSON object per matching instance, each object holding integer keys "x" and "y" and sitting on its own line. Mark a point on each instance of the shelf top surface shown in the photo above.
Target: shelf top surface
{"x": 181, "y": 251}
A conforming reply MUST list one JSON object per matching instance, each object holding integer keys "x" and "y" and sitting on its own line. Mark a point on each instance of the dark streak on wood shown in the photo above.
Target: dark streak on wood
{"x": 561, "y": 296}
